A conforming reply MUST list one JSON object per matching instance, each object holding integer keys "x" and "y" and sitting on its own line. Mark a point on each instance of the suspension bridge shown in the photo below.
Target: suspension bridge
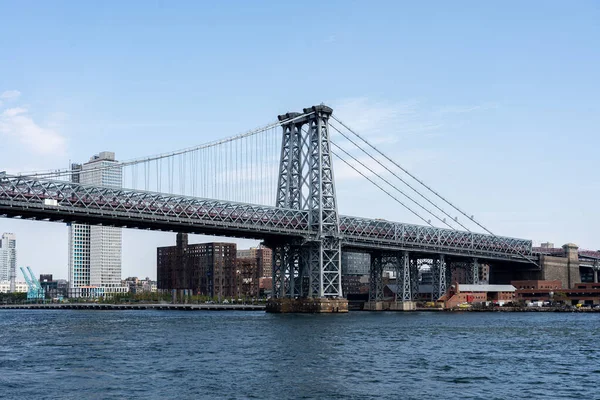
{"x": 276, "y": 184}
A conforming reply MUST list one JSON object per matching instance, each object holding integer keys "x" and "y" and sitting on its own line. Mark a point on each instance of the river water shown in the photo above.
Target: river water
{"x": 71, "y": 354}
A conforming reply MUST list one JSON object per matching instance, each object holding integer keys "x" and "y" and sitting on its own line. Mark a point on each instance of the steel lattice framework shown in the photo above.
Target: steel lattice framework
{"x": 304, "y": 228}
{"x": 377, "y": 233}
{"x": 306, "y": 183}
{"x": 73, "y": 202}
{"x": 33, "y": 198}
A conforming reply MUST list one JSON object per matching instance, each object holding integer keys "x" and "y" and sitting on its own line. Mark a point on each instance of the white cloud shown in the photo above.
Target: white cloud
{"x": 372, "y": 118}
{"x": 10, "y": 94}
{"x": 17, "y": 123}
{"x": 384, "y": 122}
{"x": 467, "y": 109}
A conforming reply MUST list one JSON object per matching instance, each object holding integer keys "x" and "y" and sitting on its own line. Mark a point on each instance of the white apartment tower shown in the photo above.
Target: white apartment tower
{"x": 95, "y": 251}
{"x": 8, "y": 259}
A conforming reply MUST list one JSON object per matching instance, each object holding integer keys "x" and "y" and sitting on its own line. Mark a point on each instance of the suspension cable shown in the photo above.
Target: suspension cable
{"x": 400, "y": 179}
{"x": 391, "y": 185}
{"x": 59, "y": 172}
{"x": 427, "y": 187}
{"x": 380, "y": 187}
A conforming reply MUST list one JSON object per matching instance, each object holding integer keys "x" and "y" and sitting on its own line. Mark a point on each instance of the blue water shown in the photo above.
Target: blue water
{"x": 72, "y": 354}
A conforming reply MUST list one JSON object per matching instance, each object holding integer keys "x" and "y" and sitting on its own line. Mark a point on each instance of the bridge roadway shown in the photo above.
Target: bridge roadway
{"x": 30, "y": 198}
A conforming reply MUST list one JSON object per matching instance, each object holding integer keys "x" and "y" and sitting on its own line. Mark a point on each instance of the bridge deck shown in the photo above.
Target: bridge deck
{"x": 71, "y": 202}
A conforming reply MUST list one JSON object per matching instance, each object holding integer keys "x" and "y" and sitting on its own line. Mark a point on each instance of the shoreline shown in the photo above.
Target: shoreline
{"x": 96, "y": 306}
{"x": 251, "y": 307}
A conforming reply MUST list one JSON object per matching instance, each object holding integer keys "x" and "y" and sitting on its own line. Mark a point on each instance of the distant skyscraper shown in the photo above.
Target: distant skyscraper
{"x": 8, "y": 259}
{"x": 95, "y": 251}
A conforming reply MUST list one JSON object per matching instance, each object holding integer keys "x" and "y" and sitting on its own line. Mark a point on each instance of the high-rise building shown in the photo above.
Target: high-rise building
{"x": 8, "y": 259}
{"x": 95, "y": 251}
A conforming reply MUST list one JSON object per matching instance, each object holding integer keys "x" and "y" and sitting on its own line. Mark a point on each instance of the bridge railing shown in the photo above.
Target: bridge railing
{"x": 64, "y": 198}
{"x": 387, "y": 232}
{"x": 72, "y": 197}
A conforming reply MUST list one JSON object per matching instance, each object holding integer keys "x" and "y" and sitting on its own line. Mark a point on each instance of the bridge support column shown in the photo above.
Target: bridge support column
{"x": 404, "y": 294}
{"x": 475, "y": 271}
{"x": 375, "y": 302}
{"x": 413, "y": 267}
{"x": 438, "y": 270}
{"x": 306, "y": 183}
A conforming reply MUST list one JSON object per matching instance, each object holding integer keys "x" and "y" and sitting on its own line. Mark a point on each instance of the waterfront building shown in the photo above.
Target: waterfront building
{"x": 54, "y": 288}
{"x": 265, "y": 286}
{"x": 587, "y": 293}
{"x": 264, "y": 256}
{"x": 476, "y": 294}
{"x": 8, "y": 259}
{"x": 207, "y": 269}
{"x": 355, "y": 267}
{"x": 95, "y": 251}
{"x": 248, "y": 272}
{"x": 7, "y": 286}
{"x": 137, "y": 285}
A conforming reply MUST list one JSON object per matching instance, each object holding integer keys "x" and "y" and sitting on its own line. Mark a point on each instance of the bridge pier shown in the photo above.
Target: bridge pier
{"x": 404, "y": 294}
{"x": 307, "y": 271}
{"x": 475, "y": 271}
{"x": 375, "y": 302}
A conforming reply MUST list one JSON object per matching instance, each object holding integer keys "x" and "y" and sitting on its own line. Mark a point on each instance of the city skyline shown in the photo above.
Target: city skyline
{"x": 492, "y": 128}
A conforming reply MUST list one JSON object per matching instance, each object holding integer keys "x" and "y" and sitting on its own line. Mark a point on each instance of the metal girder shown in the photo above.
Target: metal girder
{"x": 322, "y": 205}
{"x": 475, "y": 271}
{"x": 414, "y": 276}
{"x": 403, "y": 277}
{"x": 376, "y": 232}
{"x": 440, "y": 282}
{"x": 406, "y": 277}
{"x": 305, "y": 208}
{"x": 123, "y": 207}
{"x": 306, "y": 183}
{"x": 376, "y": 278}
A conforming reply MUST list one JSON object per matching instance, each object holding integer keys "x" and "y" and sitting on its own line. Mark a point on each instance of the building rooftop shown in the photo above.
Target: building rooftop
{"x": 486, "y": 288}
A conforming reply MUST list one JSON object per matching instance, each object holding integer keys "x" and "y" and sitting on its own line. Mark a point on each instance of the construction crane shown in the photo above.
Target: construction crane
{"x": 35, "y": 290}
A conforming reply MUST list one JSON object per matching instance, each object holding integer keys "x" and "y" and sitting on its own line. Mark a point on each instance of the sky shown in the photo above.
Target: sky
{"x": 494, "y": 104}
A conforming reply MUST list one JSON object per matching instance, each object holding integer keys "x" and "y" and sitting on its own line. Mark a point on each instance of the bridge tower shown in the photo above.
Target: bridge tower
{"x": 309, "y": 268}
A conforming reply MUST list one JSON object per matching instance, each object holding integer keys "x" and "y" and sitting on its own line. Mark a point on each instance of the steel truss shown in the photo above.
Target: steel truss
{"x": 474, "y": 271}
{"x": 378, "y": 233}
{"x": 306, "y": 183}
{"x": 471, "y": 267}
{"x": 376, "y": 278}
{"x": 133, "y": 208}
{"x": 439, "y": 271}
{"x": 414, "y": 276}
{"x": 403, "y": 277}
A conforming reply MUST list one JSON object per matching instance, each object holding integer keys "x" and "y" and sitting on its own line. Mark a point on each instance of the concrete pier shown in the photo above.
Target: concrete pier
{"x": 310, "y": 305}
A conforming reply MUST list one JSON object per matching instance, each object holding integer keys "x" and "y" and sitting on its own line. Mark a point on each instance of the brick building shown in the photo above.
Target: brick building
{"x": 264, "y": 256}
{"x": 473, "y": 294}
{"x": 248, "y": 275}
{"x": 207, "y": 269}
{"x": 581, "y": 293}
